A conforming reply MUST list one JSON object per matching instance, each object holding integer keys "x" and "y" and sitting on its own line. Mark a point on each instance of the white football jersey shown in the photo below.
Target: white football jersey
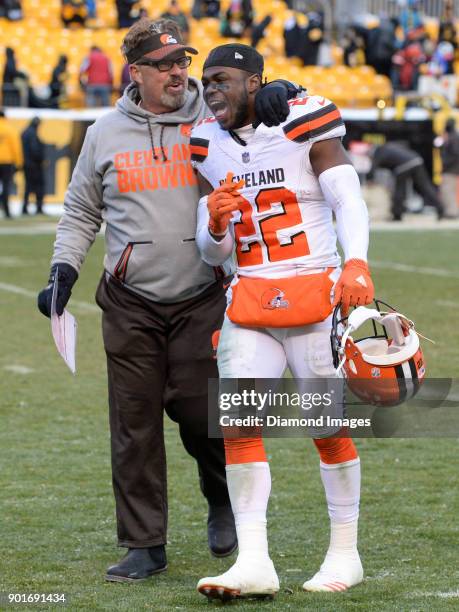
{"x": 285, "y": 226}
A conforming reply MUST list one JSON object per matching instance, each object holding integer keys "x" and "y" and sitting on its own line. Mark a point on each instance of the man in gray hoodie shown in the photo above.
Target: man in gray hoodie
{"x": 161, "y": 303}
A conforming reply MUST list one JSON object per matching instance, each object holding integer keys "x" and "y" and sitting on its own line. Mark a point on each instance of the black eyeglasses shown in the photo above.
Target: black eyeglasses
{"x": 165, "y": 65}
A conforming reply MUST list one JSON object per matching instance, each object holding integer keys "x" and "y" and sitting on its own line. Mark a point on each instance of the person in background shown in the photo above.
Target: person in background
{"x": 238, "y": 19}
{"x": 311, "y": 38}
{"x": 354, "y": 47}
{"x": 10, "y": 71}
{"x": 57, "y": 82}
{"x": 407, "y": 61}
{"x": 381, "y": 46}
{"x": 15, "y": 85}
{"x": 258, "y": 30}
{"x": 34, "y": 157}
{"x": 411, "y": 18}
{"x": 447, "y": 31}
{"x": 11, "y": 9}
{"x": 205, "y": 8}
{"x": 405, "y": 165}
{"x": 91, "y": 8}
{"x": 449, "y": 188}
{"x": 303, "y": 34}
{"x": 442, "y": 61}
{"x": 128, "y": 12}
{"x": 10, "y": 159}
{"x": 174, "y": 13}
{"x": 125, "y": 78}
{"x": 73, "y": 13}
{"x": 97, "y": 75}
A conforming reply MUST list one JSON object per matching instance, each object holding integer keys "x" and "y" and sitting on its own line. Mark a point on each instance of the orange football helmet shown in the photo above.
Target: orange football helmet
{"x": 384, "y": 369}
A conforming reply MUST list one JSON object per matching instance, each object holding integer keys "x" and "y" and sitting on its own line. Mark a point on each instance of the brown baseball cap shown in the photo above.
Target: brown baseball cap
{"x": 162, "y": 44}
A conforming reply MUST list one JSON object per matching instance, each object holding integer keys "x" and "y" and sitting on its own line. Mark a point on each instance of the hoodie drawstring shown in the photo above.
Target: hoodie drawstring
{"x": 155, "y": 157}
{"x": 161, "y": 144}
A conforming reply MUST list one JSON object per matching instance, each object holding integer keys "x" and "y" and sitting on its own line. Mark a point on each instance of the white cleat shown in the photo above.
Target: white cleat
{"x": 337, "y": 573}
{"x": 249, "y": 577}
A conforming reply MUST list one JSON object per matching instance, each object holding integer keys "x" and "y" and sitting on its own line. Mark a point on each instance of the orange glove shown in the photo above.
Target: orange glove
{"x": 354, "y": 286}
{"x": 221, "y": 204}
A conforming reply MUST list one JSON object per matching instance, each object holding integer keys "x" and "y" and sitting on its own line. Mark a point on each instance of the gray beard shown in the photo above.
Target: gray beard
{"x": 173, "y": 102}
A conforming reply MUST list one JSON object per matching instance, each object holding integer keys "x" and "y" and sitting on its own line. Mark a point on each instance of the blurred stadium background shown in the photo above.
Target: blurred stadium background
{"x": 340, "y": 37}
{"x": 39, "y": 39}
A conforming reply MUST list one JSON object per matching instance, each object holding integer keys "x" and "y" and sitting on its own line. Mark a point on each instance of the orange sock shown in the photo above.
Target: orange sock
{"x": 244, "y": 450}
{"x": 336, "y": 449}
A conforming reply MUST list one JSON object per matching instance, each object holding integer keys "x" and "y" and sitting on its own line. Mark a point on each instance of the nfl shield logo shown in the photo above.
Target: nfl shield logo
{"x": 246, "y": 157}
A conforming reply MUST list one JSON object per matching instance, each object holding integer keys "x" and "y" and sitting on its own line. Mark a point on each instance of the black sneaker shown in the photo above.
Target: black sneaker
{"x": 221, "y": 531}
{"x": 138, "y": 564}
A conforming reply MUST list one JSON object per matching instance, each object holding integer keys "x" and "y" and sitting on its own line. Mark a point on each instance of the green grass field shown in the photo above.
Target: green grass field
{"x": 57, "y": 522}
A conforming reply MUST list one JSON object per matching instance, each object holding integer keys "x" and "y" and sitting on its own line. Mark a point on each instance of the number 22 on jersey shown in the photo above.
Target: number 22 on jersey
{"x": 249, "y": 242}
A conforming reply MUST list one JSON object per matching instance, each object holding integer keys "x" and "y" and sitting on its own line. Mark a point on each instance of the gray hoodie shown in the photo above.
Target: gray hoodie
{"x": 149, "y": 205}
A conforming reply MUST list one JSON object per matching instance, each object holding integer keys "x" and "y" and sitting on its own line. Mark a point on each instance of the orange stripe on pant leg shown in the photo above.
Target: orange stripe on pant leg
{"x": 244, "y": 450}
{"x": 336, "y": 449}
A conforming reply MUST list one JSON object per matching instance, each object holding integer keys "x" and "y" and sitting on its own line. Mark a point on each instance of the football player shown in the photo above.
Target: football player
{"x": 275, "y": 211}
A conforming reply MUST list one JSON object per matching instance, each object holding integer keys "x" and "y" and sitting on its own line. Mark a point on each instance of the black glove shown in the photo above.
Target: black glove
{"x": 67, "y": 277}
{"x": 271, "y": 106}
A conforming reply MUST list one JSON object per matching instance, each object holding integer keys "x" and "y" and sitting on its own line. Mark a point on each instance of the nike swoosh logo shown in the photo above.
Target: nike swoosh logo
{"x": 321, "y": 103}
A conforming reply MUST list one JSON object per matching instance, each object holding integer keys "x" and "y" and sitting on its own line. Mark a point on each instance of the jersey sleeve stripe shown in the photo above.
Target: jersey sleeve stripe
{"x": 313, "y": 124}
{"x": 318, "y": 113}
{"x": 309, "y": 126}
{"x": 199, "y": 142}
{"x": 199, "y": 149}
{"x": 320, "y": 121}
{"x": 198, "y": 158}
{"x": 326, "y": 128}
{"x": 310, "y": 117}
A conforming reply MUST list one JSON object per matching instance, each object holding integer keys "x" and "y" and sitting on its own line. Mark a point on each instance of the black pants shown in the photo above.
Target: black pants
{"x": 422, "y": 185}
{"x": 6, "y": 176}
{"x": 159, "y": 356}
{"x": 34, "y": 183}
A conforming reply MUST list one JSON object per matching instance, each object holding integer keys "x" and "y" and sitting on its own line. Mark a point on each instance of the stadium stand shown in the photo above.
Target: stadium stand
{"x": 39, "y": 39}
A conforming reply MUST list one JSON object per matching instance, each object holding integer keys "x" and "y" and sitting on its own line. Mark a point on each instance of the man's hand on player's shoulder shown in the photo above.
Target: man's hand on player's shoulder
{"x": 271, "y": 106}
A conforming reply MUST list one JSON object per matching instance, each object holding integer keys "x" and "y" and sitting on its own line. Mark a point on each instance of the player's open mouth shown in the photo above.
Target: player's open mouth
{"x": 219, "y": 108}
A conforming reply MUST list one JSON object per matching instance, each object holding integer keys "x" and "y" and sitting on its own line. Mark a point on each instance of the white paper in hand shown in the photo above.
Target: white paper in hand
{"x": 64, "y": 330}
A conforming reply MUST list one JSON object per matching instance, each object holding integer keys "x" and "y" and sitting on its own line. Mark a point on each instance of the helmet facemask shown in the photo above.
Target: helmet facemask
{"x": 384, "y": 368}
